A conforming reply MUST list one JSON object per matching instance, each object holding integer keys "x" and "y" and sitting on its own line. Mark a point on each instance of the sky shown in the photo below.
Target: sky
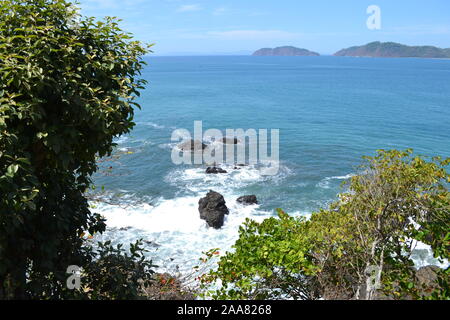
{"x": 211, "y": 27}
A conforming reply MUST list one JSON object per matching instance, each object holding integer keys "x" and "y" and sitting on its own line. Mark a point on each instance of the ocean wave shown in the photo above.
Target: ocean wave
{"x": 196, "y": 180}
{"x": 347, "y": 176}
{"x": 121, "y": 140}
{"x": 151, "y": 124}
{"x": 325, "y": 183}
{"x": 168, "y": 146}
{"x": 175, "y": 226}
{"x": 422, "y": 255}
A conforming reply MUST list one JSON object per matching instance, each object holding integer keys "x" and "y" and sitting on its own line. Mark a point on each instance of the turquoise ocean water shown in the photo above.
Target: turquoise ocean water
{"x": 330, "y": 112}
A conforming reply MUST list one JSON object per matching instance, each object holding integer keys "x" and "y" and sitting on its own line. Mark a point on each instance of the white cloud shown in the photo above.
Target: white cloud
{"x": 255, "y": 34}
{"x": 189, "y": 8}
{"x": 219, "y": 11}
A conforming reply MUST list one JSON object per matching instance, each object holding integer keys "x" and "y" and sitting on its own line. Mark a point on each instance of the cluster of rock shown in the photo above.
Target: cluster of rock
{"x": 197, "y": 145}
{"x": 215, "y": 170}
{"x": 213, "y": 208}
{"x": 246, "y": 200}
{"x": 226, "y": 140}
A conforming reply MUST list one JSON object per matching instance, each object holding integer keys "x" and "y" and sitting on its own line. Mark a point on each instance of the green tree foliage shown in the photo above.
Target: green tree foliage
{"x": 338, "y": 253}
{"x": 67, "y": 88}
{"x": 270, "y": 261}
{"x": 114, "y": 273}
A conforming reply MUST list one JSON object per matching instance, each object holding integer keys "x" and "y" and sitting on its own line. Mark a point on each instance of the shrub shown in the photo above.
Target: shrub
{"x": 358, "y": 248}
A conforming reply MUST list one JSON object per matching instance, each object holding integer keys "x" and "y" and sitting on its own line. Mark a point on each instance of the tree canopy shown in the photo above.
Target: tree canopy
{"x": 68, "y": 85}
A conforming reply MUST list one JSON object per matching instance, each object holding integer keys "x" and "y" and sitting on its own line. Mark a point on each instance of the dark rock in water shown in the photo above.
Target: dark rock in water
{"x": 230, "y": 140}
{"x": 192, "y": 145}
{"x": 213, "y": 209}
{"x": 246, "y": 200}
{"x": 215, "y": 170}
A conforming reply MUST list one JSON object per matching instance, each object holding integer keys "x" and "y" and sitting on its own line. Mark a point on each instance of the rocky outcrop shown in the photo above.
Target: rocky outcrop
{"x": 213, "y": 209}
{"x": 215, "y": 170}
{"x": 427, "y": 279}
{"x": 192, "y": 145}
{"x": 247, "y": 200}
{"x": 167, "y": 287}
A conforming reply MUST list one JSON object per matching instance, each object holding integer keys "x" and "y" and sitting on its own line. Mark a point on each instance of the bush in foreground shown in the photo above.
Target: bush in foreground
{"x": 358, "y": 248}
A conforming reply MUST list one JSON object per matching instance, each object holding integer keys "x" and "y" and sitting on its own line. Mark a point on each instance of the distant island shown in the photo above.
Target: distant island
{"x": 284, "y": 51}
{"x": 394, "y": 50}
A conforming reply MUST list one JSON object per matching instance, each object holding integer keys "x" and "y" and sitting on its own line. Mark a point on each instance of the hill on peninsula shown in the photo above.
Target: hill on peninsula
{"x": 284, "y": 51}
{"x": 394, "y": 50}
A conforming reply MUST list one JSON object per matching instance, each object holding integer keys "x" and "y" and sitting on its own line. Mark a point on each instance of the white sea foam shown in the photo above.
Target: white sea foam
{"x": 175, "y": 225}
{"x": 423, "y": 256}
{"x": 121, "y": 140}
{"x": 144, "y": 142}
{"x": 151, "y": 124}
{"x": 325, "y": 183}
{"x": 168, "y": 146}
{"x": 237, "y": 177}
{"x": 347, "y": 176}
